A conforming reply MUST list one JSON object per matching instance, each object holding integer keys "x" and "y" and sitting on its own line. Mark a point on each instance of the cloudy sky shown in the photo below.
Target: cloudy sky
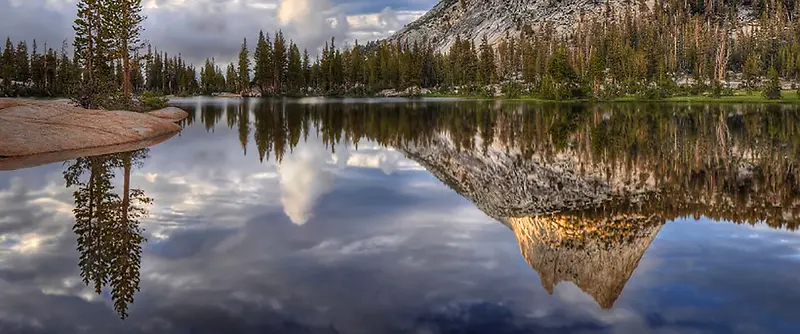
{"x": 215, "y": 28}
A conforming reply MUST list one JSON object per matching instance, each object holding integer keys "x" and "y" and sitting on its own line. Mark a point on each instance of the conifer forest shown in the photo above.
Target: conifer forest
{"x": 675, "y": 48}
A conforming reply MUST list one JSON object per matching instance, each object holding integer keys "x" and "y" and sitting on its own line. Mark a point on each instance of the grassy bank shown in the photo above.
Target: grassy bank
{"x": 739, "y": 97}
{"x": 787, "y": 97}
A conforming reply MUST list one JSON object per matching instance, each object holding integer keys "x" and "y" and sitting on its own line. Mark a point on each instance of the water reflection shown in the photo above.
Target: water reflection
{"x": 107, "y": 224}
{"x": 734, "y": 163}
{"x": 585, "y": 189}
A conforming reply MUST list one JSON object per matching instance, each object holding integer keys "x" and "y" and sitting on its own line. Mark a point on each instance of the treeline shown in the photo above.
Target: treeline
{"x": 106, "y": 68}
{"x": 168, "y": 75}
{"x": 675, "y": 47}
{"x": 278, "y": 68}
{"x": 54, "y": 73}
{"x": 26, "y": 71}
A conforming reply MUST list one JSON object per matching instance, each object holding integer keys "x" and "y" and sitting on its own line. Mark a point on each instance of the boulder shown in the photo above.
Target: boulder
{"x": 34, "y": 127}
{"x": 170, "y": 113}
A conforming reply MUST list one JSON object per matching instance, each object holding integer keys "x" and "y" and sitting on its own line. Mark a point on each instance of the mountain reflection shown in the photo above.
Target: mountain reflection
{"x": 584, "y": 188}
{"x": 107, "y": 224}
{"x": 732, "y": 163}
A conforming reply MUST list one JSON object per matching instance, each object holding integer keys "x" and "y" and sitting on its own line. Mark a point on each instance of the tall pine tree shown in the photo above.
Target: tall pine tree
{"x": 125, "y": 26}
{"x": 92, "y": 46}
{"x": 244, "y": 68}
{"x": 263, "y": 72}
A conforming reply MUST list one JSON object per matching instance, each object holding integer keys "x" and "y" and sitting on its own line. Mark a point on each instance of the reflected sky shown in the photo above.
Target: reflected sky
{"x": 360, "y": 240}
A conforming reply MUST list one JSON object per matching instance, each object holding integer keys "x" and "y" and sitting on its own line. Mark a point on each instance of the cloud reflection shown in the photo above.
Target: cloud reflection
{"x": 304, "y": 177}
{"x": 380, "y": 252}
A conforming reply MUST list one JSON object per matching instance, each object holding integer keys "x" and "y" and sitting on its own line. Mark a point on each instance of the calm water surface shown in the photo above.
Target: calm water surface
{"x": 395, "y": 216}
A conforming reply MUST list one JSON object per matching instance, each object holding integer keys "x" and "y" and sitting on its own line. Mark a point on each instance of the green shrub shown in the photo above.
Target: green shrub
{"x": 546, "y": 89}
{"x": 772, "y": 91}
{"x": 152, "y": 101}
{"x": 512, "y": 90}
{"x": 486, "y": 92}
{"x": 716, "y": 91}
{"x": 728, "y": 91}
{"x": 578, "y": 92}
{"x": 609, "y": 92}
{"x": 652, "y": 93}
{"x": 682, "y": 90}
{"x": 697, "y": 89}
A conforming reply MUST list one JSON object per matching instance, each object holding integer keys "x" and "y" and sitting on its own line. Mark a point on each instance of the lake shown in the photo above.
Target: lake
{"x": 416, "y": 216}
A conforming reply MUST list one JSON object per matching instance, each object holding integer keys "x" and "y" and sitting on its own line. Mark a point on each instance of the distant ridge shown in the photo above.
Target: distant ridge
{"x": 472, "y": 19}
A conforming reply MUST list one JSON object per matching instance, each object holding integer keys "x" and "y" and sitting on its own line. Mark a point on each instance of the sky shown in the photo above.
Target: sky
{"x": 200, "y": 29}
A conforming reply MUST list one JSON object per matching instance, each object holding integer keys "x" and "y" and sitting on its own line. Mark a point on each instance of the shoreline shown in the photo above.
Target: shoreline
{"x": 788, "y": 97}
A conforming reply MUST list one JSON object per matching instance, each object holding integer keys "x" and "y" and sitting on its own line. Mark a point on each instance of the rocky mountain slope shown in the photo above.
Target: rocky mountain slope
{"x": 472, "y": 19}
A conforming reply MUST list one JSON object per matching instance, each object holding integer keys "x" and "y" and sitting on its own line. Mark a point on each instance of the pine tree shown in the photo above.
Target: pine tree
{"x": 595, "y": 75}
{"x": 337, "y": 69}
{"x": 244, "y": 68}
{"x": 295, "y": 70}
{"x": 561, "y": 75}
{"x": 306, "y": 69}
{"x": 232, "y": 79}
{"x": 38, "y": 70}
{"x": 773, "y": 89}
{"x": 279, "y": 62}
{"x": 7, "y": 64}
{"x": 315, "y": 75}
{"x": 66, "y": 74}
{"x": 125, "y": 27}
{"x": 325, "y": 69}
{"x": 263, "y": 64}
{"x": 137, "y": 74}
{"x": 487, "y": 63}
{"x": 355, "y": 61}
{"x": 92, "y": 46}
{"x": 751, "y": 71}
{"x": 22, "y": 69}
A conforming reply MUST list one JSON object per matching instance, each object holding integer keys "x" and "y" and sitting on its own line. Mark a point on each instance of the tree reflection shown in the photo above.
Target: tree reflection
{"x": 107, "y": 224}
{"x": 736, "y": 163}
{"x": 585, "y": 188}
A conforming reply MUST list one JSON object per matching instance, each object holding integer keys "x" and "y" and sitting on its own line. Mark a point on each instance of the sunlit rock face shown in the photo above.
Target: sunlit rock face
{"x": 597, "y": 255}
{"x": 474, "y": 19}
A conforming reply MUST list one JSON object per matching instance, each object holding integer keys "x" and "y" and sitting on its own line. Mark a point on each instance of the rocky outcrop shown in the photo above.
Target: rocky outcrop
{"x": 473, "y": 19}
{"x": 408, "y": 92}
{"x": 58, "y": 129}
{"x": 169, "y": 113}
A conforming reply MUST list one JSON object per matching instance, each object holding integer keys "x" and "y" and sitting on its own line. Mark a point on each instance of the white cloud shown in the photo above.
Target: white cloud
{"x": 200, "y": 29}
